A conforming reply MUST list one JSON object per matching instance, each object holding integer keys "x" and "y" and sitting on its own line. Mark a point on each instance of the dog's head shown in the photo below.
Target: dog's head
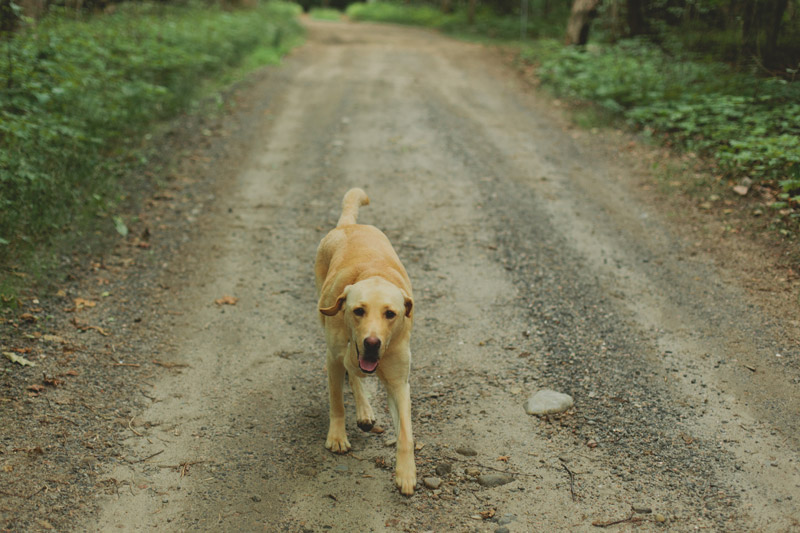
{"x": 374, "y": 311}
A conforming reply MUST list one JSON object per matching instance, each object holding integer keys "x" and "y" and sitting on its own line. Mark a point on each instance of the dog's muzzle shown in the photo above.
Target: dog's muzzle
{"x": 368, "y": 360}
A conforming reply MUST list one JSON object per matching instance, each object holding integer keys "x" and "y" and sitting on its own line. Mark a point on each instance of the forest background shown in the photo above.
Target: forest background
{"x": 84, "y": 86}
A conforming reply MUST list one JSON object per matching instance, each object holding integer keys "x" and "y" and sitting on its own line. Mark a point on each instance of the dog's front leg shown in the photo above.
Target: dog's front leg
{"x": 365, "y": 416}
{"x": 337, "y": 436}
{"x": 399, "y": 395}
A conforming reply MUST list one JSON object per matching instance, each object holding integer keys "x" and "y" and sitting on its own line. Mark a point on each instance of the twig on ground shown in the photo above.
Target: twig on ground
{"x": 131, "y": 427}
{"x": 146, "y": 458}
{"x": 571, "y": 480}
{"x": 607, "y": 523}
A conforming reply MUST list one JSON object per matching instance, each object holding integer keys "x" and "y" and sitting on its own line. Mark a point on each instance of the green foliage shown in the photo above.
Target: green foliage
{"x": 417, "y": 15}
{"x": 750, "y": 126}
{"x": 321, "y": 13}
{"x": 75, "y": 91}
{"x": 486, "y": 22}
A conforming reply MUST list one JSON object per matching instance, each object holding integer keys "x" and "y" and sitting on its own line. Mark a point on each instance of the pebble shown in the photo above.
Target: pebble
{"x": 466, "y": 450}
{"x": 472, "y": 471}
{"x": 443, "y": 469}
{"x": 494, "y": 480}
{"x": 432, "y": 482}
{"x": 546, "y": 402}
{"x": 641, "y": 509}
{"x": 502, "y": 529}
{"x": 256, "y": 498}
{"x": 659, "y": 518}
{"x": 506, "y": 519}
{"x": 340, "y": 468}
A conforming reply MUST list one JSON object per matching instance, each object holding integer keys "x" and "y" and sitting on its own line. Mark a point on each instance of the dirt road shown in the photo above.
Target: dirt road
{"x": 534, "y": 266}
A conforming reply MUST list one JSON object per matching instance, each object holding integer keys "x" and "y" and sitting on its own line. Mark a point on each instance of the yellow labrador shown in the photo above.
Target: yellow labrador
{"x": 367, "y": 312}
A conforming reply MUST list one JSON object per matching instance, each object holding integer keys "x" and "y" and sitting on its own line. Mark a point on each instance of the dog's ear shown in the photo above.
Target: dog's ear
{"x": 337, "y": 306}
{"x": 409, "y": 303}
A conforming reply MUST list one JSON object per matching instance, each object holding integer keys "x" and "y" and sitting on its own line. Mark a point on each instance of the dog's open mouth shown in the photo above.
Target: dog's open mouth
{"x": 367, "y": 366}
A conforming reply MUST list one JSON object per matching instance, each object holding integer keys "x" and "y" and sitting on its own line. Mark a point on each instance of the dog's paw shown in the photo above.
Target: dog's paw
{"x": 366, "y": 425}
{"x": 406, "y": 482}
{"x": 337, "y": 443}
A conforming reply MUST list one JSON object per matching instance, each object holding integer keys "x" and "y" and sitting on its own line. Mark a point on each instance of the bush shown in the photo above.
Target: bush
{"x": 486, "y": 23}
{"x": 750, "y": 126}
{"x": 74, "y": 90}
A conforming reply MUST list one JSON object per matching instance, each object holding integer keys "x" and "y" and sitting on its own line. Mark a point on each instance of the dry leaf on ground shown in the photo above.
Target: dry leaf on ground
{"x": 226, "y": 300}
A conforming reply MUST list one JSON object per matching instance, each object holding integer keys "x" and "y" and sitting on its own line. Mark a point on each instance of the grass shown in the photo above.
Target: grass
{"x": 749, "y": 126}
{"x": 80, "y": 93}
{"x": 321, "y": 13}
{"x": 486, "y": 23}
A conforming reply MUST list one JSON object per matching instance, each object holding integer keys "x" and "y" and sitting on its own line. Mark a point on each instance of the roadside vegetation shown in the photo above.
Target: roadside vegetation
{"x": 80, "y": 91}
{"x": 715, "y": 78}
{"x": 324, "y": 13}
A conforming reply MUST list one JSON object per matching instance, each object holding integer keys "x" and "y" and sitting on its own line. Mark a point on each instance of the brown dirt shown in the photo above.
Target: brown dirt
{"x": 541, "y": 255}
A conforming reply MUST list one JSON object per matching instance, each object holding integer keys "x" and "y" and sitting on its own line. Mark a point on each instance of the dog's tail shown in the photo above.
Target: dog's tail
{"x": 353, "y": 199}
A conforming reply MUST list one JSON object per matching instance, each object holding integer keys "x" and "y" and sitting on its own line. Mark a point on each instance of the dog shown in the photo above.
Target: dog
{"x": 367, "y": 311}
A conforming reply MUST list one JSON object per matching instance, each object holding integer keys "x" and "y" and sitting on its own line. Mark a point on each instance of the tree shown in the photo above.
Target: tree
{"x": 581, "y": 15}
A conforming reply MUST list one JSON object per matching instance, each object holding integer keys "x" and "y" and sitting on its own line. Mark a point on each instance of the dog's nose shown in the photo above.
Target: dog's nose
{"x": 372, "y": 344}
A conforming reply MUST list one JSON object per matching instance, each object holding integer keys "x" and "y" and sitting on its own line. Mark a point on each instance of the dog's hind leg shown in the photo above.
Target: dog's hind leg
{"x": 337, "y": 436}
{"x": 365, "y": 417}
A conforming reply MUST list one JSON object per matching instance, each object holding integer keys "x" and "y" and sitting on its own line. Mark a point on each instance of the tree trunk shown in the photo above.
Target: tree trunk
{"x": 583, "y": 11}
{"x": 471, "y": 12}
{"x": 637, "y": 25}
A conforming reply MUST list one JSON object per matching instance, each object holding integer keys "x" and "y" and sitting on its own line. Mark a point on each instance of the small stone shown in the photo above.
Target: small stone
{"x": 443, "y": 469}
{"x": 659, "y": 518}
{"x": 641, "y": 509}
{"x": 547, "y": 402}
{"x": 466, "y": 450}
{"x": 494, "y": 480}
{"x": 256, "y": 498}
{"x": 472, "y": 471}
{"x": 506, "y": 519}
{"x": 340, "y": 468}
{"x": 501, "y": 529}
{"x": 432, "y": 483}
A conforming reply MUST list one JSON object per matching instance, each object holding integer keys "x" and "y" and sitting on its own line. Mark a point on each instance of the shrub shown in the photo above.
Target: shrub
{"x": 750, "y": 126}
{"x": 75, "y": 89}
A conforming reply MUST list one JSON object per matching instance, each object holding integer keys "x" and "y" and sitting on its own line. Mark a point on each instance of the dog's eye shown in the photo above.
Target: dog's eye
{"x": 359, "y": 311}
{"x": 390, "y": 314}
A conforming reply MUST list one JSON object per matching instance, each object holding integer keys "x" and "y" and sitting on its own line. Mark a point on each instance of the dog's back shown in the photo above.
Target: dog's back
{"x": 351, "y": 252}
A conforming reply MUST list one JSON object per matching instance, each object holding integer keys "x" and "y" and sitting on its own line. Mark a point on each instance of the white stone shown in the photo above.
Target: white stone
{"x": 548, "y": 402}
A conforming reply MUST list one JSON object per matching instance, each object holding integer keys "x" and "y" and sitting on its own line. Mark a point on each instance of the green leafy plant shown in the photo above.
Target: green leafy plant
{"x": 750, "y": 126}
{"x": 77, "y": 92}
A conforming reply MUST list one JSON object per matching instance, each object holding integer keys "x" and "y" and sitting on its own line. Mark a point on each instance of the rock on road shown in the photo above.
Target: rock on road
{"x": 534, "y": 266}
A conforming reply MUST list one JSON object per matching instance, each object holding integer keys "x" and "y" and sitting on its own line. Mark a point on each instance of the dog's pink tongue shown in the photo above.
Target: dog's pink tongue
{"x": 367, "y": 366}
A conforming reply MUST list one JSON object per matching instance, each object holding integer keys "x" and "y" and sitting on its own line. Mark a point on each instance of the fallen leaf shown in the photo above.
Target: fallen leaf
{"x": 36, "y": 387}
{"x": 226, "y": 300}
{"x": 27, "y": 317}
{"x": 80, "y": 303}
{"x": 54, "y": 339}
{"x": 14, "y": 358}
{"x": 503, "y": 458}
{"x": 486, "y": 515}
{"x": 120, "y": 226}
{"x": 52, "y": 381}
